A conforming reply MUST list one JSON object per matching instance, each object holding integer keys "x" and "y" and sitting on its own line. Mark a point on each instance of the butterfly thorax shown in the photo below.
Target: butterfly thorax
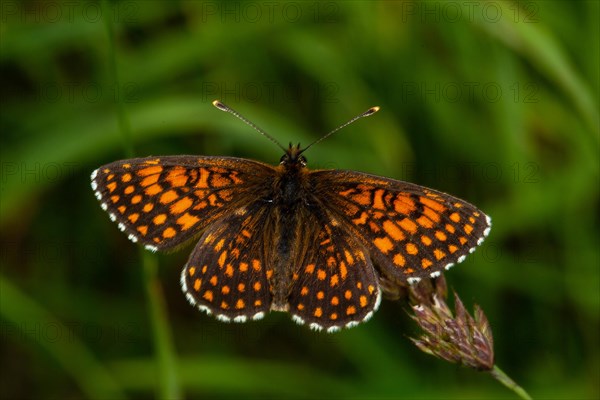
{"x": 290, "y": 186}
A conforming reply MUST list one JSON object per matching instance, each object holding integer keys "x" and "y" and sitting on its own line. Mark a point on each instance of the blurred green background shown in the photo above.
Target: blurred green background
{"x": 495, "y": 102}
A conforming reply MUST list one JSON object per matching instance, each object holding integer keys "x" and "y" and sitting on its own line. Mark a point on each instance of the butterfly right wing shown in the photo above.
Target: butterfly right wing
{"x": 411, "y": 231}
{"x": 162, "y": 202}
{"x": 334, "y": 284}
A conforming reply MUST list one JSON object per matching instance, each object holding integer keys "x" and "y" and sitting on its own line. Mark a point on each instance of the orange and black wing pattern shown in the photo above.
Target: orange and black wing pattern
{"x": 228, "y": 273}
{"x": 410, "y": 231}
{"x": 317, "y": 244}
{"x": 162, "y": 202}
{"x": 334, "y": 283}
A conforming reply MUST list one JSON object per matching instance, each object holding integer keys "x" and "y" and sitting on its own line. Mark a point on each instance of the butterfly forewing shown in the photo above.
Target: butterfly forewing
{"x": 411, "y": 231}
{"x": 163, "y": 202}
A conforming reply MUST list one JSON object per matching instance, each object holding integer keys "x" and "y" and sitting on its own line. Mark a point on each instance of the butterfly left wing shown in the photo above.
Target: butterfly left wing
{"x": 411, "y": 231}
{"x": 162, "y": 202}
{"x": 228, "y": 272}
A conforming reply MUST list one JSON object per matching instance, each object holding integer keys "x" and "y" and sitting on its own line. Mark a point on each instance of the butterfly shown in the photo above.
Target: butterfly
{"x": 315, "y": 243}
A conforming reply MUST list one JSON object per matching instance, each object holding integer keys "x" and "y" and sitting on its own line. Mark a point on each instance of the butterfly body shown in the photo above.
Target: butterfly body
{"x": 291, "y": 203}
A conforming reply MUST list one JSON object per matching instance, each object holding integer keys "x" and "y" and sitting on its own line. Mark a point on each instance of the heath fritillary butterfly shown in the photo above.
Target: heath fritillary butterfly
{"x": 317, "y": 244}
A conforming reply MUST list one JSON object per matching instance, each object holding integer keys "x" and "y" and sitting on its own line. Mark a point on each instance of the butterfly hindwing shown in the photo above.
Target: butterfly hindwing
{"x": 227, "y": 273}
{"x": 335, "y": 284}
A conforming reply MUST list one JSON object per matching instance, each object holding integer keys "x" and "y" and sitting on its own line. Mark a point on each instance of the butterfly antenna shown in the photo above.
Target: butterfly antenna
{"x": 230, "y": 110}
{"x": 367, "y": 113}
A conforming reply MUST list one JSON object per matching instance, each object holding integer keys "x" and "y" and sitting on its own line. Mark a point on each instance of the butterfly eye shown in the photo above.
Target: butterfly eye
{"x": 283, "y": 159}
{"x": 303, "y": 161}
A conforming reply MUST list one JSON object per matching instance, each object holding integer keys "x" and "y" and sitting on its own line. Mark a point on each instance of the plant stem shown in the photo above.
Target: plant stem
{"x": 163, "y": 341}
{"x": 501, "y": 377}
{"x": 124, "y": 125}
{"x": 168, "y": 382}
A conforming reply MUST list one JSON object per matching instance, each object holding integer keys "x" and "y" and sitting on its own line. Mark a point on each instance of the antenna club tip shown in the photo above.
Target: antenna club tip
{"x": 219, "y": 105}
{"x": 370, "y": 111}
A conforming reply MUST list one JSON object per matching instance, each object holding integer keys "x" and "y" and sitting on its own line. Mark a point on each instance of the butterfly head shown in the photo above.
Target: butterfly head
{"x": 293, "y": 157}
